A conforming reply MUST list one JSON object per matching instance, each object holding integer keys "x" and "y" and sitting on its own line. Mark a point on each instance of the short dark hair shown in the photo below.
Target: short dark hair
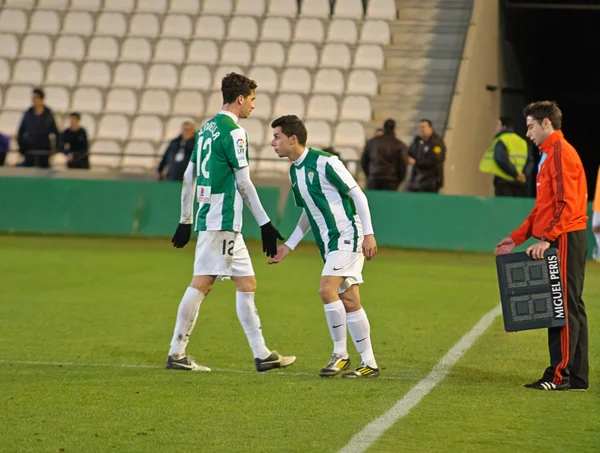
{"x": 389, "y": 125}
{"x": 425, "y": 120}
{"x": 234, "y": 85}
{"x": 39, "y": 92}
{"x": 507, "y": 122}
{"x": 544, "y": 109}
{"x": 292, "y": 125}
{"x": 76, "y": 115}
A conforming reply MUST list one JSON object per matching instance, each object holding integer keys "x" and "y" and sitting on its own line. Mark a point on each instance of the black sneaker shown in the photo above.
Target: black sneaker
{"x": 547, "y": 385}
{"x": 186, "y": 363}
{"x": 336, "y": 365}
{"x": 363, "y": 371}
{"x": 275, "y": 360}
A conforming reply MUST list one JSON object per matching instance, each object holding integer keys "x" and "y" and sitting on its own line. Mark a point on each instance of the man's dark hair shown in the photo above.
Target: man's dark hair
{"x": 425, "y": 120}
{"x": 40, "y": 93}
{"x": 292, "y": 125}
{"x": 389, "y": 126}
{"x": 76, "y": 115}
{"x": 234, "y": 85}
{"x": 507, "y": 122}
{"x": 545, "y": 109}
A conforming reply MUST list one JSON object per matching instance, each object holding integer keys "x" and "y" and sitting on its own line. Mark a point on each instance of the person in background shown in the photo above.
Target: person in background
{"x": 4, "y": 147}
{"x": 507, "y": 159}
{"x": 385, "y": 159}
{"x": 74, "y": 143}
{"x": 596, "y": 219}
{"x": 178, "y": 153}
{"x": 36, "y": 131}
{"x": 427, "y": 154}
{"x": 378, "y": 132}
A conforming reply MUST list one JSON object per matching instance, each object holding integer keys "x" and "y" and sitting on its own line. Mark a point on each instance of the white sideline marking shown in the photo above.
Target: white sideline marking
{"x": 370, "y": 433}
{"x": 126, "y": 365}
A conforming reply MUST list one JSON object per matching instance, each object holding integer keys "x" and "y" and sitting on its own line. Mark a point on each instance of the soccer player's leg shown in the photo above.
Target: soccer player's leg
{"x": 245, "y": 286}
{"x": 596, "y": 231}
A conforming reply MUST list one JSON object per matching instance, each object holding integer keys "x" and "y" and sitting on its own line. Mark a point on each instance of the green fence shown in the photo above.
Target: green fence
{"x": 151, "y": 209}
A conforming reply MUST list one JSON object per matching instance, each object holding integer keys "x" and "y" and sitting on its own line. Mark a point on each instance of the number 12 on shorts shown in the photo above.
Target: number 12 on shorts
{"x": 229, "y": 250}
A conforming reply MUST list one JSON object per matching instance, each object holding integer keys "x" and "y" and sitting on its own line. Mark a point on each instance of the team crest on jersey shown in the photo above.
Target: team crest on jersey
{"x": 311, "y": 176}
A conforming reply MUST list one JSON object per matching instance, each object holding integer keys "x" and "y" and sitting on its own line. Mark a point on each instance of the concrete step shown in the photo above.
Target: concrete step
{"x": 450, "y": 4}
{"x": 427, "y": 26}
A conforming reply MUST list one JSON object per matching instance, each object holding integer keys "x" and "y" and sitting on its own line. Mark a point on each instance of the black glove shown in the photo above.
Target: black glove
{"x": 182, "y": 235}
{"x": 269, "y": 239}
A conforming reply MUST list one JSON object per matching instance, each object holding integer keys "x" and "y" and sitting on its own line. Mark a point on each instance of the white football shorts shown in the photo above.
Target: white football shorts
{"x": 596, "y": 219}
{"x": 222, "y": 253}
{"x": 342, "y": 263}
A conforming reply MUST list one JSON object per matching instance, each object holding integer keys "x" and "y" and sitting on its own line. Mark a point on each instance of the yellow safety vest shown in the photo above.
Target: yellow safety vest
{"x": 517, "y": 154}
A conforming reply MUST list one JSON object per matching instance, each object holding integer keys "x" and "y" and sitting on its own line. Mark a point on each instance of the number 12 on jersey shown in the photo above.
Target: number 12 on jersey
{"x": 203, "y": 146}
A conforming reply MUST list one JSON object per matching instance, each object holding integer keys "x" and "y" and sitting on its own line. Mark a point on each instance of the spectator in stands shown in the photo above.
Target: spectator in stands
{"x": 427, "y": 154}
{"x": 385, "y": 159}
{"x": 36, "y": 133}
{"x": 4, "y": 146}
{"x": 74, "y": 143}
{"x": 178, "y": 153}
{"x": 507, "y": 159}
{"x": 378, "y": 131}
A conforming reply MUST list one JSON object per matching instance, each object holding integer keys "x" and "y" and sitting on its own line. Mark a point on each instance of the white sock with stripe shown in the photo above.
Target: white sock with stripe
{"x": 187, "y": 314}
{"x": 360, "y": 331}
{"x": 248, "y": 316}
{"x": 335, "y": 313}
{"x": 597, "y": 251}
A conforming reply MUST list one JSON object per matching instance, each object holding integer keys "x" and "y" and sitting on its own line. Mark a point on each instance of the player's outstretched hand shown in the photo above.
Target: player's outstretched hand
{"x": 182, "y": 235}
{"x": 506, "y": 245}
{"x": 536, "y": 251}
{"x": 269, "y": 239}
{"x": 369, "y": 246}
{"x": 282, "y": 251}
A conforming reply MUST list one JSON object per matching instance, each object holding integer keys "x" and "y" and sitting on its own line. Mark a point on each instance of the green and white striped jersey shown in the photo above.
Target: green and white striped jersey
{"x": 320, "y": 184}
{"x": 221, "y": 147}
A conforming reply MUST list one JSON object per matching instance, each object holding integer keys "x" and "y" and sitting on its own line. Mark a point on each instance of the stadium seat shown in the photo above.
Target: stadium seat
{"x": 9, "y": 46}
{"x": 10, "y": 121}
{"x": 169, "y": 51}
{"x": 18, "y": 97}
{"x": 69, "y": 48}
{"x": 285, "y": 8}
{"x": 86, "y": 5}
{"x": 36, "y": 46}
{"x": 152, "y": 6}
{"x": 95, "y": 74}
{"x": 61, "y": 73}
{"x": 237, "y": 53}
{"x": 262, "y": 106}
{"x": 211, "y": 27}
{"x": 349, "y": 133}
{"x": 319, "y": 133}
{"x": 243, "y": 28}
{"x": 58, "y": 161}
{"x": 105, "y": 147}
{"x": 276, "y": 29}
{"x": 25, "y": 4}
{"x": 44, "y": 22}
{"x": 269, "y": 162}
{"x": 221, "y": 71}
{"x": 295, "y": 80}
{"x": 139, "y": 148}
{"x": 215, "y": 102}
{"x": 348, "y": 153}
{"x": 255, "y": 130}
{"x": 138, "y": 164}
{"x": 329, "y": 81}
{"x": 136, "y": 49}
{"x": 53, "y": 4}
{"x": 89, "y": 123}
{"x": 250, "y": 8}
{"x": 322, "y": 107}
{"x": 220, "y": 7}
{"x": 111, "y": 24}
{"x": 177, "y": 26}
{"x": 121, "y": 100}
{"x": 310, "y": 30}
{"x": 103, "y": 162}
{"x": 190, "y": 7}
{"x": 195, "y": 77}
{"x": 362, "y": 81}
{"x": 356, "y": 108}
{"x": 377, "y": 32}
{"x": 188, "y": 103}
{"x": 269, "y": 54}
{"x": 128, "y": 75}
{"x": 287, "y": 104}
{"x": 27, "y": 71}
{"x": 342, "y": 30}
{"x": 381, "y": 9}
{"x": 266, "y": 79}
{"x": 315, "y": 8}
{"x": 155, "y": 101}
{"x": 113, "y": 126}
{"x": 4, "y": 72}
{"x": 103, "y": 48}
{"x": 203, "y": 51}
{"x": 57, "y": 98}
{"x": 335, "y": 56}
{"x": 87, "y": 100}
{"x": 351, "y": 9}
{"x": 143, "y": 25}
{"x": 173, "y": 128}
{"x": 369, "y": 56}
{"x": 78, "y": 23}
{"x": 162, "y": 76}
{"x": 125, "y": 6}
{"x": 302, "y": 54}
{"x": 13, "y": 20}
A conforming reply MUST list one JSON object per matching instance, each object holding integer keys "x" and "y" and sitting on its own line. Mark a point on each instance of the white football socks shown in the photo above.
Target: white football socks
{"x": 335, "y": 314}
{"x": 597, "y": 251}
{"x": 360, "y": 331}
{"x": 248, "y": 316}
{"x": 186, "y": 319}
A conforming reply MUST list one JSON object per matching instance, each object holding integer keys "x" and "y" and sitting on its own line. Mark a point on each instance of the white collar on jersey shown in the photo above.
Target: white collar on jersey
{"x": 229, "y": 114}
{"x": 302, "y": 157}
